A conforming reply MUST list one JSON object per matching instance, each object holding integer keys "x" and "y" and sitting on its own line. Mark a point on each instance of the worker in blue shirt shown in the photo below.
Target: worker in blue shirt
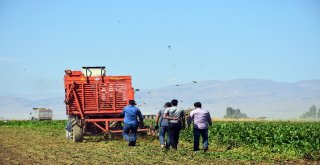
{"x": 130, "y": 127}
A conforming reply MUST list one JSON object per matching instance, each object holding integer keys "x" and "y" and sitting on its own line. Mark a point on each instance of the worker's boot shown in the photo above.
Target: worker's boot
{"x": 133, "y": 143}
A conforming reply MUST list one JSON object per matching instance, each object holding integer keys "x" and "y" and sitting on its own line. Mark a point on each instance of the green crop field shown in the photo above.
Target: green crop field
{"x": 231, "y": 142}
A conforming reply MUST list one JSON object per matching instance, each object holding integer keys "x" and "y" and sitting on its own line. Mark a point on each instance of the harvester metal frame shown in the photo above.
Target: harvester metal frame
{"x": 94, "y": 103}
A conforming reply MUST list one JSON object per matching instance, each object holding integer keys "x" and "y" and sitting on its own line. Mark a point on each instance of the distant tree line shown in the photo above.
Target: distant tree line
{"x": 234, "y": 113}
{"x": 312, "y": 113}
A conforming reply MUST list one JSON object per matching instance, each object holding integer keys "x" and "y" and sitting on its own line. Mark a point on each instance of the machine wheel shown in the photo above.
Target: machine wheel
{"x": 68, "y": 135}
{"x": 77, "y": 132}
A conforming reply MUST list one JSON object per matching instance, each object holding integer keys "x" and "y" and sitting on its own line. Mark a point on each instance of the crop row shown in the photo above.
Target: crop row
{"x": 55, "y": 124}
{"x": 302, "y": 138}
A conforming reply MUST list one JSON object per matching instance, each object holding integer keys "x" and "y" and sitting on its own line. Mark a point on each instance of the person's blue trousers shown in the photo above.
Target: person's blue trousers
{"x": 204, "y": 135}
{"x": 130, "y": 132}
{"x": 162, "y": 135}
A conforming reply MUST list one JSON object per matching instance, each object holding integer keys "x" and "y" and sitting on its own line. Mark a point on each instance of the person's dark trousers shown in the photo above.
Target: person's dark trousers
{"x": 173, "y": 132}
{"x": 162, "y": 135}
{"x": 204, "y": 135}
{"x": 130, "y": 133}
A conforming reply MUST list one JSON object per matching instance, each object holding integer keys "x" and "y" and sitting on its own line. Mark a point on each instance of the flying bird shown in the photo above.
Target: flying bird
{"x": 194, "y": 82}
{"x": 169, "y": 47}
{"x": 175, "y": 64}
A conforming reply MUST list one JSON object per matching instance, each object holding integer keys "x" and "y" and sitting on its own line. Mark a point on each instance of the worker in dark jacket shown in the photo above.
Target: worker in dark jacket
{"x": 131, "y": 113}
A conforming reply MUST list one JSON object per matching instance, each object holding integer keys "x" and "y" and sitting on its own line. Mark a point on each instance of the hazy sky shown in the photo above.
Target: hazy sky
{"x": 159, "y": 43}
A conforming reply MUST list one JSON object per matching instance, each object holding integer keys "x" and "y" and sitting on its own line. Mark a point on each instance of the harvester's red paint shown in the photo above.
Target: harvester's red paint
{"x": 97, "y": 100}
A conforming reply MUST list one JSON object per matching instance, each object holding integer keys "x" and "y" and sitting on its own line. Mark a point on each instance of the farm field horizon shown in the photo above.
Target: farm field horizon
{"x": 231, "y": 142}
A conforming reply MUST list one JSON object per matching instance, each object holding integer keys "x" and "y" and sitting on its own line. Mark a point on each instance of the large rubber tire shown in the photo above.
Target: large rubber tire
{"x": 77, "y": 132}
{"x": 68, "y": 135}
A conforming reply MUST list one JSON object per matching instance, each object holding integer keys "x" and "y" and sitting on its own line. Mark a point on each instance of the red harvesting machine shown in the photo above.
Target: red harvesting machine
{"x": 94, "y": 102}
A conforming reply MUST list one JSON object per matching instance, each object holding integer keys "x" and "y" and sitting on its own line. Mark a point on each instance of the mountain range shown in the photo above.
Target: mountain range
{"x": 255, "y": 97}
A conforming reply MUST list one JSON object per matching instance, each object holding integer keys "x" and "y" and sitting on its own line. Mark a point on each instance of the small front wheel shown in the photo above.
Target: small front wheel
{"x": 68, "y": 135}
{"x": 77, "y": 131}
